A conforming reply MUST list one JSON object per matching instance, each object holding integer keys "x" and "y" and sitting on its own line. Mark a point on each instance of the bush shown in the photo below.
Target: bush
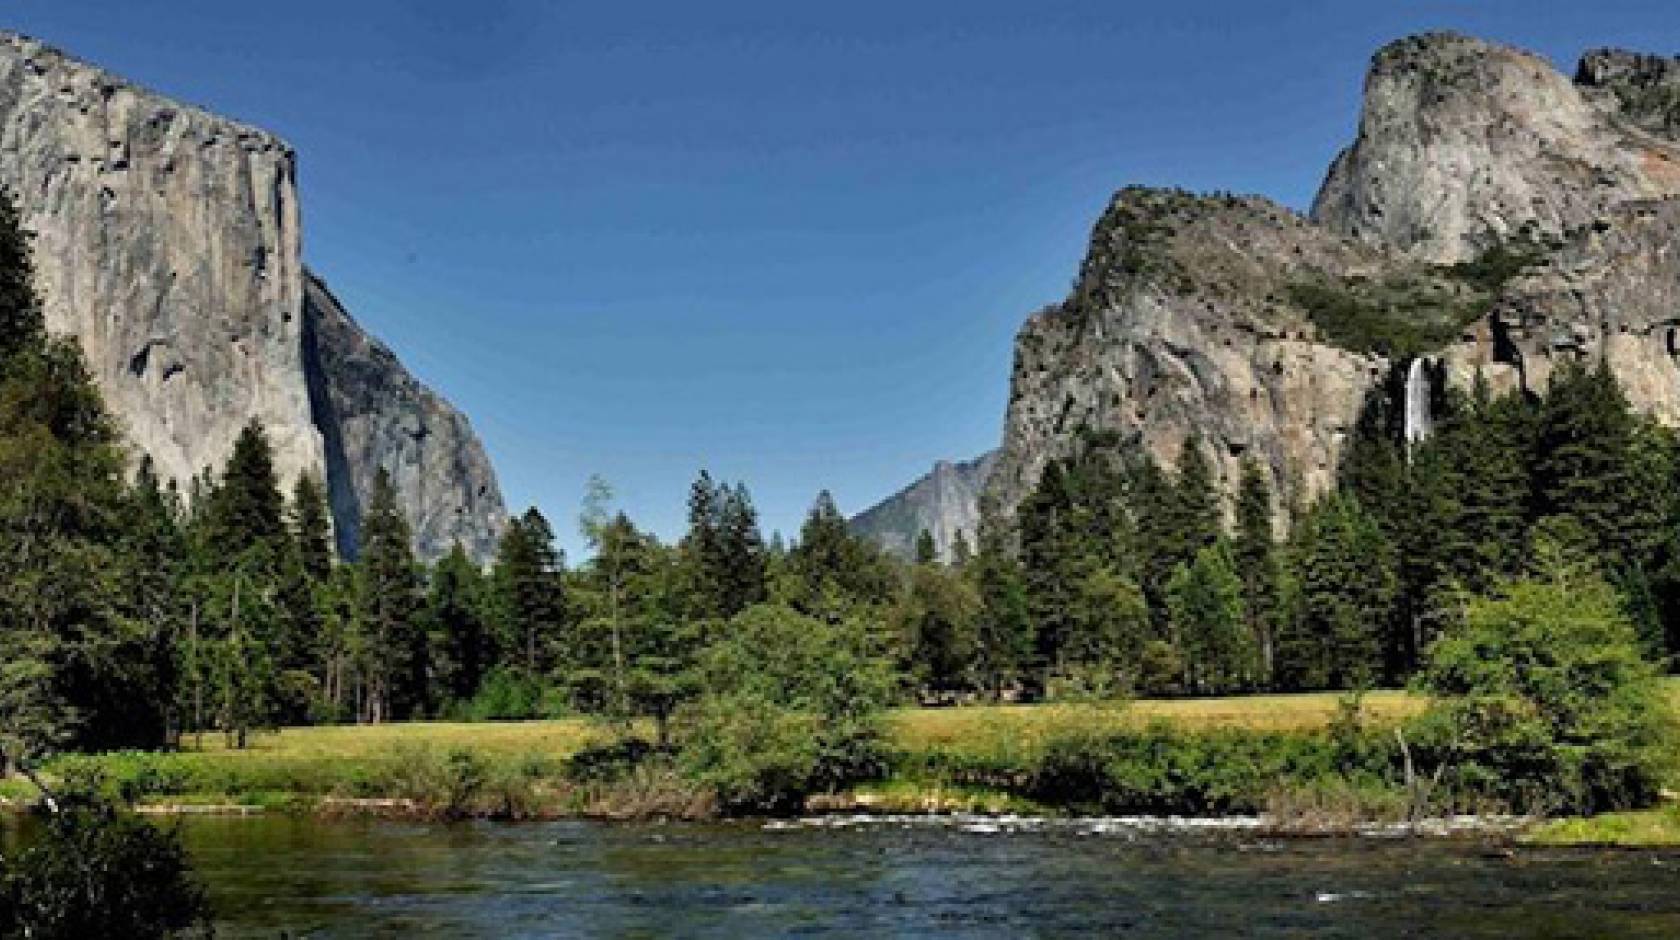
{"x": 1163, "y": 770}
{"x": 610, "y": 762}
{"x": 790, "y": 706}
{"x": 98, "y": 872}
{"x": 446, "y": 784}
{"x": 511, "y": 695}
{"x": 1543, "y": 703}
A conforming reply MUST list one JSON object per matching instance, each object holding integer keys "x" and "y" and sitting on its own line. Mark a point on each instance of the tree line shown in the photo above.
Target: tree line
{"x": 1127, "y": 573}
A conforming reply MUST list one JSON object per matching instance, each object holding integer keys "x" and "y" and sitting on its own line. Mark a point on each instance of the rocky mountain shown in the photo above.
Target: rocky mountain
{"x": 168, "y": 240}
{"x": 1491, "y": 214}
{"x": 943, "y": 503}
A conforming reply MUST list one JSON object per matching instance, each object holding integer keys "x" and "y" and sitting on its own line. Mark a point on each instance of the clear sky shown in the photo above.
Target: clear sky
{"x": 790, "y": 242}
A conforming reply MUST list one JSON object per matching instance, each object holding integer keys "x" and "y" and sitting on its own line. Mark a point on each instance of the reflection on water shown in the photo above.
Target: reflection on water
{"x": 357, "y": 879}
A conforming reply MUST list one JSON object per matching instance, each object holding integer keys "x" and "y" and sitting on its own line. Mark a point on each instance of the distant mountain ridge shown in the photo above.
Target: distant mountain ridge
{"x": 944, "y": 503}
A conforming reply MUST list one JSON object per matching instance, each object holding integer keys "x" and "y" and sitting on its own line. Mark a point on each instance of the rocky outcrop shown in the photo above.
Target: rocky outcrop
{"x": 1184, "y": 323}
{"x": 1643, "y": 89}
{"x": 1612, "y": 292}
{"x": 1491, "y": 212}
{"x": 1463, "y": 144}
{"x": 373, "y": 415}
{"x": 167, "y": 240}
{"x": 944, "y": 503}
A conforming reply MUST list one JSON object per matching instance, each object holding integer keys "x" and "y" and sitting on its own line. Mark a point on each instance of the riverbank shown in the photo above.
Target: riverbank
{"x": 1270, "y": 756}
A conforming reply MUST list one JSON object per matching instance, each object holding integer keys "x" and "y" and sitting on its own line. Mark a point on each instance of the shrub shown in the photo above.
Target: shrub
{"x": 1544, "y": 704}
{"x": 511, "y": 695}
{"x": 98, "y": 872}
{"x": 445, "y": 784}
{"x": 790, "y": 706}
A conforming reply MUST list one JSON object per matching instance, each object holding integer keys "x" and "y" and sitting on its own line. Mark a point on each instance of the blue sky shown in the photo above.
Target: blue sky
{"x": 787, "y": 242}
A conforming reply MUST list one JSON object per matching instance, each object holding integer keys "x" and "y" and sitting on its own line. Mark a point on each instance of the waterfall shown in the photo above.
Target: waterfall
{"x": 1418, "y": 418}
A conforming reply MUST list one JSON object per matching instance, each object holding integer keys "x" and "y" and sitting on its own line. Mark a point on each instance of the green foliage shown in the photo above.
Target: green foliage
{"x": 395, "y": 655}
{"x": 634, "y": 647}
{"x": 459, "y": 635}
{"x": 1345, "y": 567}
{"x": 93, "y": 871}
{"x": 1162, "y": 770}
{"x": 937, "y": 620}
{"x": 512, "y": 694}
{"x": 528, "y": 593}
{"x": 835, "y": 574}
{"x": 1205, "y": 600}
{"x": 86, "y": 659}
{"x": 1408, "y": 314}
{"x": 926, "y": 552}
{"x": 1255, "y": 556}
{"x": 1544, "y": 703}
{"x": 1002, "y": 628}
{"x": 790, "y": 705}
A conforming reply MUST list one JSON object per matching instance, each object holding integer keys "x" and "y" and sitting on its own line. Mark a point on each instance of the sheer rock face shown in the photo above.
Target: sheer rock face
{"x": 1182, "y": 321}
{"x": 944, "y": 503}
{"x": 1182, "y": 324}
{"x": 1463, "y": 143}
{"x": 374, "y": 415}
{"x": 167, "y": 240}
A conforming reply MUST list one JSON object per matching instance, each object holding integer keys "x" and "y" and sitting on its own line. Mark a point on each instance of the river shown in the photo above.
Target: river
{"x": 905, "y": 879}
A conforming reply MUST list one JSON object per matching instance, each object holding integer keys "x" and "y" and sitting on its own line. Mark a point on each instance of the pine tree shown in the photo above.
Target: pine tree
{"x": 1052, "y": 564}
{"x": 528, "y": 584}
{"x": 1254, "y": 552}
{"x": 1347, "y": 583}
{"x": 1205, "y": 601}
{"x": 311, "y": 527}
{"x": 1491, "y": 453}
{"x": 23, "y": 328}
{"x": 936, "y": 620}
{"x": 153, "y": 551}
{"x": 1003, "y": 630}
{"x": 247, "y": 513}
{"x": 1158, "y": 538}
{"x": 304, "y": 566}
{"x": 836, "y": 574}
{"x": 961, "y": 552}
{"x": 1197, "y": 501}
{"x": 1582, "y": 467}
{"x": 741, "y": 557}
{"x": 397, "y": 660}
{"x": 1110, "y": 626}
{"x": 459, "y": 636}
{"x": 79, "y": 667}
{"x": 703, "y": 552}
{"x": 1428, "y": 538}
{"x": 926, "y": 552}
{"x": 1373, "y": 466}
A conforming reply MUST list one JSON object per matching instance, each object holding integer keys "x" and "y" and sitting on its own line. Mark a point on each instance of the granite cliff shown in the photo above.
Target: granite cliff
{"x": 168, "y": 241}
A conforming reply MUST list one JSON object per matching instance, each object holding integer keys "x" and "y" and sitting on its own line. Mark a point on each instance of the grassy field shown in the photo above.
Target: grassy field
{"x": 302, "y": 766}
{"x": 912, "y": 728}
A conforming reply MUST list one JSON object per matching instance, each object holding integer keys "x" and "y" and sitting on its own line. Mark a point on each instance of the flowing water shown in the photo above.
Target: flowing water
{"x": 906, "y": 879}
{"x": 1419, "y": 420}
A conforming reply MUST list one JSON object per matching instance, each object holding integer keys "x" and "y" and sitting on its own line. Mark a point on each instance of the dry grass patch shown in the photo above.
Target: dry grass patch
{"x": 925, "y": 728}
